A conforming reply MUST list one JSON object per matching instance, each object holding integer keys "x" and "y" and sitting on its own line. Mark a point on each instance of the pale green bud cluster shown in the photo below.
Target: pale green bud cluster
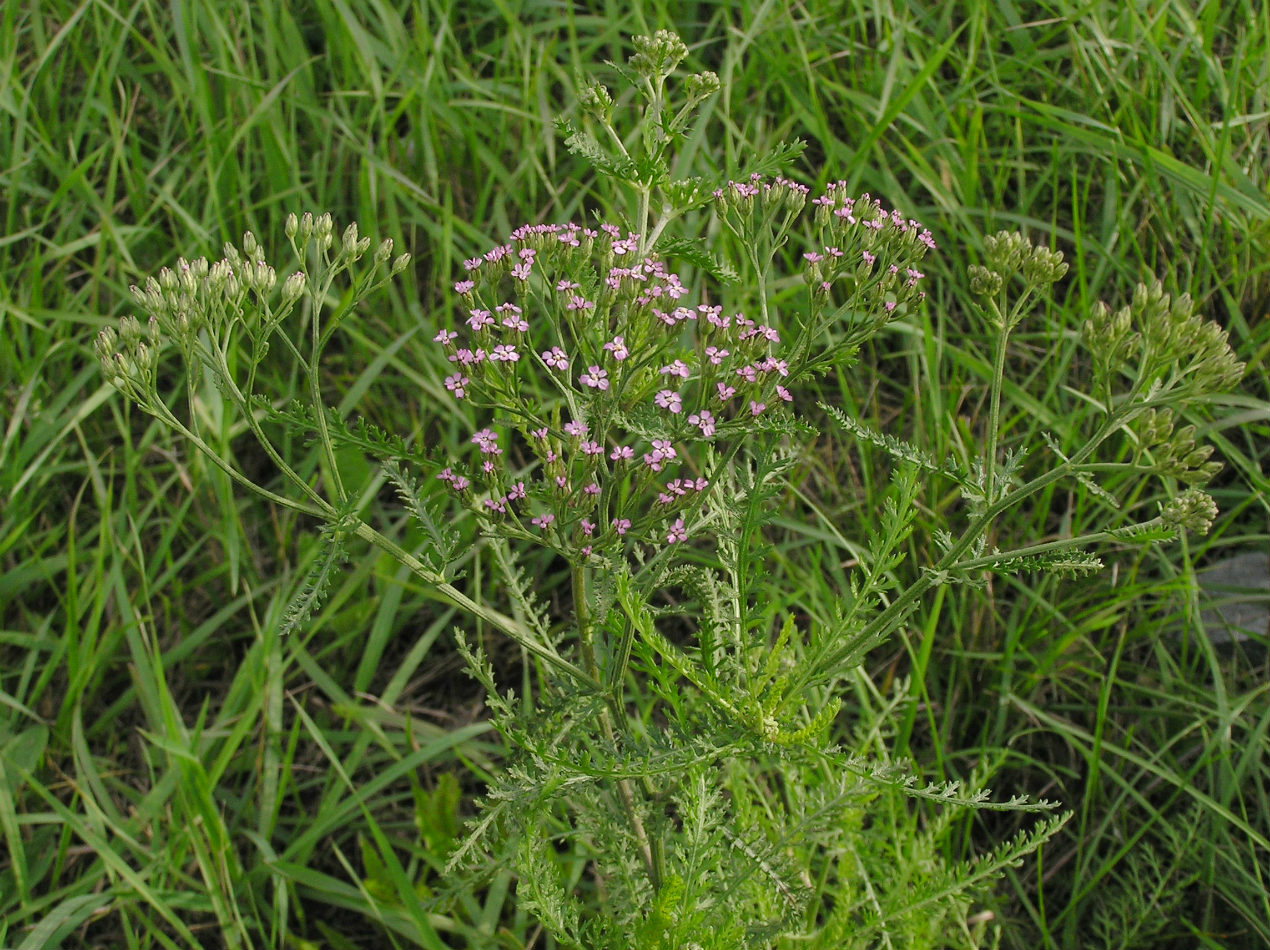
{"x": 129, "y": 356}
{"x": 1007, "y": 254}
{"x": 1191, "y": 511}
{"x": 984, "y": 282}
{"x": 198, "y": 304}
{"x": 700, "y": 86}
{"x": 1161, "y": 342}
{"x": 657, "y": 56}
{"x": 596, "y": 102}
{"x": 1174, "y": 454}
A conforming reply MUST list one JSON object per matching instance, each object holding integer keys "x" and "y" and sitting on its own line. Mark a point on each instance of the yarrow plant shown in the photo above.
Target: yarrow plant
{"x": 677, "y": 777}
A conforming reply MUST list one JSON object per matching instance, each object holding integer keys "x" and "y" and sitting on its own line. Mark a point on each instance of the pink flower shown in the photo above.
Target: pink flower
{"x": 756, "y": 407}
{"x": 617, "y": 346}
{"x": 479, "y": 318}
{"x": 621, "y": 525}
{"x": 445, "y": 337}
{"x": 505, "y": 353}
{"x": 487, "y": 441}
{"x": 555, "y": 358}
{"x": 576, "y": 428}
{"x": 725, "y": 392}
{"x": 456, "y": 384}
{"x": 677, "y": 532}
{"x": 716, "y": 355}
{"x": 622, "y": 452}
{"x": 512, "y": 318}
{"x": 595, "y": 377}
{"x": 662, "y": 451}
{"x": 677, "y": 368}
{"x": 542, "y": 521}
{"x": 579, "y": 303}
{"x": 784, "y": 394}
{"x": 566, "y": 285}
{"x": 587, "y": 527}
{"x": 591, "y": 448}
{"x": 460, "y": 483}
{"x": 593, "y": 489}
{"x": 669, "y": 399}
{"x": 517, "y": 491}
{"x": 704, "y": 420}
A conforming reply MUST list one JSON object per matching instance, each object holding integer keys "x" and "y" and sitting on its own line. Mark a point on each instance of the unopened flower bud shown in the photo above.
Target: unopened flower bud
{"x": 701, "y": 85}
{"x": 657, "y": 56}
{"x": 252, "y": 248}
{"x": 106, "y": 342}
{"x": 400, "y": 264}
{"x": 291, "y": 226}
{"x": 293, "y": 288}
{"x": 596, "y": 101}
{"x": 1005, "y": 252}
{"x": 1043, "y": 267}
{"x": 984, "y": 282}
{"x": 1193, "y": 510}
{"x": 348, "y": 244}
{"x": 264, "y": 277}
{"x": 185, "y": 277}
{"x": 383, "y": 252}
{"x": 324, "y": 230}
{"x": 129, "y": 331}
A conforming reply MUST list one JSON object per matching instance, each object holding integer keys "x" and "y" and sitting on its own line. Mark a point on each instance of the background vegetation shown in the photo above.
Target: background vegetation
{"x": 167, "y": 778}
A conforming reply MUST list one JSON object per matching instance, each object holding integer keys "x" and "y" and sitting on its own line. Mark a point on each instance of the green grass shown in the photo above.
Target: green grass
{"x": 173, "y": 772}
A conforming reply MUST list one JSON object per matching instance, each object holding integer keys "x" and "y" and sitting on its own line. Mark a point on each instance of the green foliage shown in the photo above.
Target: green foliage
{"x": 141, "y": 672}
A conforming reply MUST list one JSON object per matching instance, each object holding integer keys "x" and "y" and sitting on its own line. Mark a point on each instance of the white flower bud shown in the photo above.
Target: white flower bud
{"x": 252, "y": 248}
{"x": 293, "y": 287}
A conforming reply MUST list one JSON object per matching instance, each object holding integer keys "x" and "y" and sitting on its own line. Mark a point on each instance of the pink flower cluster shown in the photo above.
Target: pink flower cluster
{"x": 869, "y": 251}
{"x": 571, "y": 333}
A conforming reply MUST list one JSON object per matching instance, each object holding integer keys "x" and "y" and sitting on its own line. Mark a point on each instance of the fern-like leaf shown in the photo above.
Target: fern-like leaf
{"x": 314, "y": 585}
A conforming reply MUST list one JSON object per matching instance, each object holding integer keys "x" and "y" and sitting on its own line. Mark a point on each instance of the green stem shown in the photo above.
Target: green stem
{"x": 650, "y": 851}
{"x": 994, "y": 410}
{"x": 315, "y": 393}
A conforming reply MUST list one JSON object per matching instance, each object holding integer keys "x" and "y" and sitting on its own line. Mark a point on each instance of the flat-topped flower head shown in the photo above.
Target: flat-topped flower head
{"x": 614, "y": 383}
